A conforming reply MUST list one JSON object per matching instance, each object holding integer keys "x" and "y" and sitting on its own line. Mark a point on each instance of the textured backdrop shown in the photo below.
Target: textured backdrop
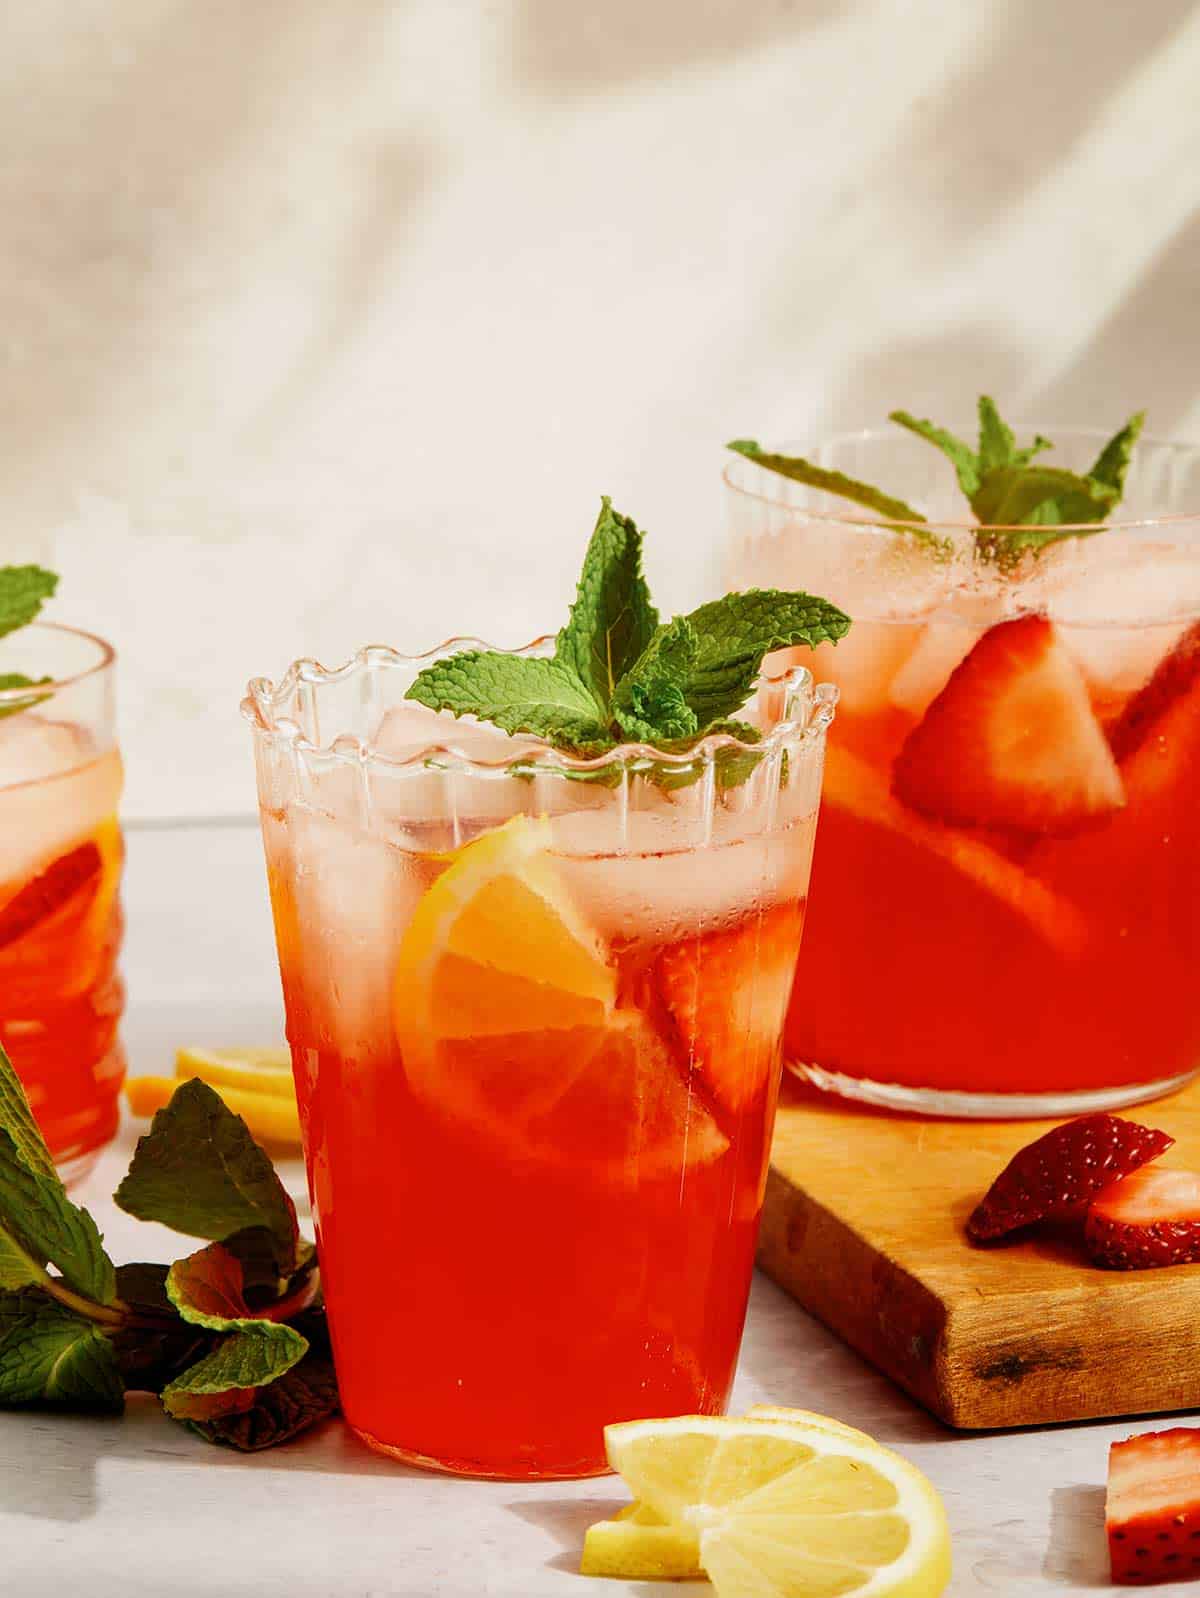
{"x": 324, "y": 323}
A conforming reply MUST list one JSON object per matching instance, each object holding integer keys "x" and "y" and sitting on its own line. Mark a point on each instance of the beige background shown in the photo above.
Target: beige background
{"x": 327, "y": 321}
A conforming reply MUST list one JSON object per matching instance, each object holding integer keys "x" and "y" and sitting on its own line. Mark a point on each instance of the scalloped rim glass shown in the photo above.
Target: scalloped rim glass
{"x": 965, "y": 527}
{"x": 806, "y": 710}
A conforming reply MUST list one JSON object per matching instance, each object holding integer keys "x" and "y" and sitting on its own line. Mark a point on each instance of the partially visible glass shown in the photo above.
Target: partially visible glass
{"x": 536, "y": 1183}
{"x": 951, "y": 965}
{"x": 60, "y": 868}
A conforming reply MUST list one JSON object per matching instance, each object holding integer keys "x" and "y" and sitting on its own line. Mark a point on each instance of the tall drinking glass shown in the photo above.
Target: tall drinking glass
{"x": 535, "y": 1006}
{"x": 60, "y": 870}
{"x": 1005, "y": 913}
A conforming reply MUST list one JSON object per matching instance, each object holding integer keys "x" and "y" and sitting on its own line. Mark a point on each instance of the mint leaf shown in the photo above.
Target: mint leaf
{"x": 154, "y": 1344}
{"x": 23, "y": 591}
{"x": 15, "y": 679}
{"x": 38, "y": 1219}
{"x": 38, "y": 1222}
{"x": 997, "y": 445}
{"x": 50, "y": 1355}
{"x": 517, "y": 693}
{"x": 649, "y": 703}
{"x": 613, "y": 619}
{"x": 200, "y": 1172}
{"x": 735, "y": 633}
{"x": 1113, "y": 461}
{"x": 961, "y": 456}
{"x": 802, "y": 471}
{"x": 298, "y": 1399}
{"x": 1012, "y": 495}
{"x": 223, "y": 1382}
{"x": 18, "y": 1121}
{"x": 208, "y": 1289}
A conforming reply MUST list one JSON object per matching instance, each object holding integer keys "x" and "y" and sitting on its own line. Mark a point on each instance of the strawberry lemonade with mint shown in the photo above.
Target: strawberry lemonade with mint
{"x": 60, "y": 867}
{"x": 1005, "y": 912}
{"x": 535, "y": 976}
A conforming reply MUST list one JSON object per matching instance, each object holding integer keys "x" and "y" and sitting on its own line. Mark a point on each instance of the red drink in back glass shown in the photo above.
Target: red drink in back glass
{"x": 535, "y": 1006}
{"x": 1005, "y": 910}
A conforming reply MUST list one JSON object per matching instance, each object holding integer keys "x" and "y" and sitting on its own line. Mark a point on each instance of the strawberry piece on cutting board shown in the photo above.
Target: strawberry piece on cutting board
{"x": 1149, "y": 1218}
{"x": 1061, "y": 1171}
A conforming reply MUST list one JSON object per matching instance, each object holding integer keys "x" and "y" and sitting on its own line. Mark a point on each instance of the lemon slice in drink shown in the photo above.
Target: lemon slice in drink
{"x": 789, "y": 1509}
{"x": 496, "y": 946}
{"x": 505, "y": 1009}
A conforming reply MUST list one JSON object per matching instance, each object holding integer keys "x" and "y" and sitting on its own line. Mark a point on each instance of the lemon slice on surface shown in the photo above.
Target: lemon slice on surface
{"x": 505, "y": 1009}
{"x": 270, "y": 1118}
{"x": 789, "y": 1510}
{"x": 258, "y": 1070}
{"x": 640, "y": 1546}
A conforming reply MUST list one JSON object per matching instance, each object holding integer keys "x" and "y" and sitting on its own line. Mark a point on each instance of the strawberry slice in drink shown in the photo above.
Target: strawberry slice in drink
{"x": 727, "y": 994}
{"x": 1150, "y": 1218}
{"x": 78, "y": 872}
{"x": 1059, "y": 1172}
{"x": 1152, "y": 1509}
{"x": 1012, "y": 740}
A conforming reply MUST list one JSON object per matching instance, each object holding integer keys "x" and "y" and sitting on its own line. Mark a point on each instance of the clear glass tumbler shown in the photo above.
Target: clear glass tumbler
{"x": 1005, "y": 912}
{"x": 60, "y": 870}
{"x": 535, "y": 1007}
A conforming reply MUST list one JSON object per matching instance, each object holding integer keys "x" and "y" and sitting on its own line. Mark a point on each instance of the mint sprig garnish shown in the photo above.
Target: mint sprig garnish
{"x": 1020, "y": 503}
{"x": 23, "y": 591}
{"x": 212, "y": 1334}
{"x": 620, "y": 675}
{"x": 813, "y": 476}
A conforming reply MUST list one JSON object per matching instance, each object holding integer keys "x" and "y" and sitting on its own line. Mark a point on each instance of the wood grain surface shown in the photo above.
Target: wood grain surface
{"x": 863, "y": 1224}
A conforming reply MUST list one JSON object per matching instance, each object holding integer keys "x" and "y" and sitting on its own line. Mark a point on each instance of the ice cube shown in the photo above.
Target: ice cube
{"x": 33, "y": 747}
{"x": 943, "y": 645}
{"x": 1121, "y": 604}
{"x": 863, "y": 663}
{"x": 408, "y": 729}
{"x": 354, "y": 896}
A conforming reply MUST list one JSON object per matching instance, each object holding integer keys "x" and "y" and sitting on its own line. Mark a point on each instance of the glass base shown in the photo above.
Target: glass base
{"x": 78, "y": 1167}
{"x": 984, "y": 1106}
{"x": 467, "y": 1467}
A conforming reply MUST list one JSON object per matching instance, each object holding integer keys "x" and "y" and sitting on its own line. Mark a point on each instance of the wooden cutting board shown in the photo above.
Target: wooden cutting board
{"x": 863, "y": 1223}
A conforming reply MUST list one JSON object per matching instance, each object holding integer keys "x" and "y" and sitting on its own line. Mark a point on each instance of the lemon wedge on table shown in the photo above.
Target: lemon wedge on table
{"x": 776, "y": 1508}
{"x": 255, "y": 1083}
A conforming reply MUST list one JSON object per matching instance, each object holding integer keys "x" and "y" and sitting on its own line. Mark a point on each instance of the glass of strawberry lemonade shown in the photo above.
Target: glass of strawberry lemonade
{"x": 535, "y": 1002}
{"x": 1005, "y": 913}
{"x": 60, "y": 868}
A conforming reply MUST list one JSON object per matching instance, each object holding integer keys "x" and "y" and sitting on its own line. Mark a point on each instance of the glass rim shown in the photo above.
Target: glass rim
{"x": 264, "y": 698}
{"x": 107, "y": 657}
{"x": 868, "y": 523}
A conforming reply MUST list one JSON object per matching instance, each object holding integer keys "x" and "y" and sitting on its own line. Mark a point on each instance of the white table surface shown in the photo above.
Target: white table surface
{"x": 136, "y": 1505}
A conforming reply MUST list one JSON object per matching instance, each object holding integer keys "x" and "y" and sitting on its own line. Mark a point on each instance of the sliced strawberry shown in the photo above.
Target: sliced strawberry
{"x": 1063, "y": 1170}
{"x": 1012, "y": 740}
{"x": 727, "y": 994}
{"x": 71, "y": 873}
{"x": 1147, "y": 714}
{"x": 1152, "y": 1511}
{"x": 1149, "y": 1218}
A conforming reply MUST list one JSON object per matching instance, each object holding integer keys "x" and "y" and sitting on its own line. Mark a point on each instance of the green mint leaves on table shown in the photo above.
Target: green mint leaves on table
{"x": 231, "y": 1338}
{"x": 619, "y": 674}
{"x": 1020, "y": 503}
{"x": 23, "y": 591}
